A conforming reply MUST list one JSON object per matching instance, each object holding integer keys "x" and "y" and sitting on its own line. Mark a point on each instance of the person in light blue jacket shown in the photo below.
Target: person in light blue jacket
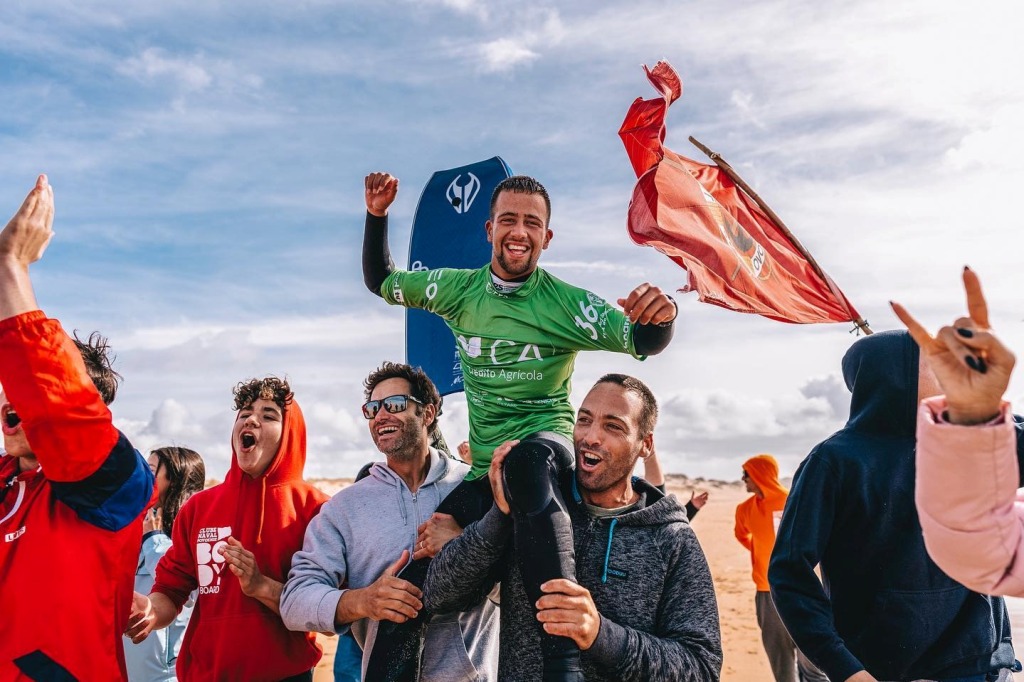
{"x": 179, "y": 473}
{"x": 344, "y": 578}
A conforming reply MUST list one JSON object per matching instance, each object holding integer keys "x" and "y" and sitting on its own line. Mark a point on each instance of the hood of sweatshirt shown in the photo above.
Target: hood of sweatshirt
{"x": 290, "y": 460}
{"x": 881, "y": 371}
{"x": 764, "y": 472}
{"x": 654, "y": 509}
{"x": 274, "y": 500}
{"x": 440, "y": 466}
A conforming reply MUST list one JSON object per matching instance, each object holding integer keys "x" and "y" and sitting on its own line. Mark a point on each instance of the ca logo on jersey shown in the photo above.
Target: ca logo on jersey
{"x": 461, "y": 196}
{"x": 209, "y": 561}
{"x": 470, "y": 347}
{"x": 473, "y": 347}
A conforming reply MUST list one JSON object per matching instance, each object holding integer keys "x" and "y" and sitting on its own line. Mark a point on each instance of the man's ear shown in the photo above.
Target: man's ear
{"x": 429, "y": 415}
{"x": 647, "y": 446}
{"x": 548, "y": 235}
{"x": 489, "y": 227}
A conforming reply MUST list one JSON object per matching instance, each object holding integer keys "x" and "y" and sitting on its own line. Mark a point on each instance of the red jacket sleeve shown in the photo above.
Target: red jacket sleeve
{"x": 176, "y": 570}
{"x": 67, "y": 425}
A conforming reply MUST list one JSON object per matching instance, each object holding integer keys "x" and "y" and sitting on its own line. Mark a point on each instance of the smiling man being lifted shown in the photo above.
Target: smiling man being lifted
{"x": 518, "y": 330}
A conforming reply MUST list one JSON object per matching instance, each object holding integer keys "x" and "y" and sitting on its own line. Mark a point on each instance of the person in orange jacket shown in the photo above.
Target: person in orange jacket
{"x": 757, "y": 519}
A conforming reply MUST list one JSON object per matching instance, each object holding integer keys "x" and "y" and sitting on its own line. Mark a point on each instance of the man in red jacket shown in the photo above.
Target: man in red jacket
{"x": 72, "y": 487}
{"x": 234, "y": 544}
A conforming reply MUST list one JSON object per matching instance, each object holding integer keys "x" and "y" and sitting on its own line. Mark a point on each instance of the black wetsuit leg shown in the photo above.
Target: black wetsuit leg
{"x": 543, "y": 534}
{"x": 399, "y": 646}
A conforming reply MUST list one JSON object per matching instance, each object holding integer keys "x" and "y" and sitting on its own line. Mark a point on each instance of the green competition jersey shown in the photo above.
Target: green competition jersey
{"x": 517, "y": 348}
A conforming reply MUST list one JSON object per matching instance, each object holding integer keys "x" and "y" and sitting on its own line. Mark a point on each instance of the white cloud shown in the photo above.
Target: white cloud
{"x": 997, "y": 147}
{"x": 477, "y": 8}
{"x": 744, "y": 102}
{"x": 523, "y": 33}
{"x": 152, "y": 65}
{"x": 504, "y": 54}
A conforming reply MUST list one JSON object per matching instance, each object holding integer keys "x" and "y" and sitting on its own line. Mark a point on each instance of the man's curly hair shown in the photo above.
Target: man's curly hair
{"x": 99, "y": 364}
{"x": 269, "y": 388}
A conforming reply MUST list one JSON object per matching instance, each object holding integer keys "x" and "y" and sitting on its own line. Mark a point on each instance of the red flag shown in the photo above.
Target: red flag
{"x": 736, "y": 256}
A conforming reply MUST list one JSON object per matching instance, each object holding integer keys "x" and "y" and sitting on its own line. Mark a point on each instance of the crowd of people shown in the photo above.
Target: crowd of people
{"x": 536, "y": 554}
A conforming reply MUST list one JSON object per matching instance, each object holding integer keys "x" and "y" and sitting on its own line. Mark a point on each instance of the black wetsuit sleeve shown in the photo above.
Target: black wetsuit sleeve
{"x": 377, "y": 263}
{"x": 648, "y": 339}
{"x": 691, "y": 510}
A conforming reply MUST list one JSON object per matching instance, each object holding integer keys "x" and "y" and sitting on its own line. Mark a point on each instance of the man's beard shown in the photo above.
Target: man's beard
{"x": 406, "y": 446}
{"x": 514, "y": 270}
{"x": 611, "y": 473}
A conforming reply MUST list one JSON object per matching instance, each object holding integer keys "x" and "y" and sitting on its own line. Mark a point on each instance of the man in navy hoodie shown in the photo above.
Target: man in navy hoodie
{"x": 886, "y": 611}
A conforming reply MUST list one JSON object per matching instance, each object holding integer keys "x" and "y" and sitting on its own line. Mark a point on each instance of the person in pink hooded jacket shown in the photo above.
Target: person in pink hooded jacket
{"x": 968, "y": 450}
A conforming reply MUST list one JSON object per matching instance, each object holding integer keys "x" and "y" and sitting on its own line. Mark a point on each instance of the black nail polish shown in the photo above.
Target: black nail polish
{"x": 966, "y": 333}
{"x": 982, "y": 367}
{"x": 972, "y": 363}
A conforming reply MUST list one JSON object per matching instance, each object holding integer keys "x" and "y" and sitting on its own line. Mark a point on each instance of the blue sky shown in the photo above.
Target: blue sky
{"x": 208, "y": 162}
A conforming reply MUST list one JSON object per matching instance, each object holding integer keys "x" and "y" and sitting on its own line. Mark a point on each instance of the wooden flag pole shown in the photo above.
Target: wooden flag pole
{"x": 860, "y": 323}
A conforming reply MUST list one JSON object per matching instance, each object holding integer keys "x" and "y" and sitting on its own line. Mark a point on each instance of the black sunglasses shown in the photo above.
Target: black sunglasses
{"x": 393, "y": 404}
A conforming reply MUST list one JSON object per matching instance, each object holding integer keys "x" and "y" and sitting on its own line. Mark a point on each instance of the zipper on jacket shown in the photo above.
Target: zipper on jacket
{"x": 415, "y": 515}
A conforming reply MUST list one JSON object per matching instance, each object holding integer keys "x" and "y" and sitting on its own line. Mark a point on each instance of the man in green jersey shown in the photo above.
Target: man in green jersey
{"x": 518, "y": 331}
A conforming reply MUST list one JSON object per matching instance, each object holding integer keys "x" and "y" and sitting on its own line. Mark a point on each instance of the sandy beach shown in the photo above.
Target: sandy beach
{"x": 730, "y": 567}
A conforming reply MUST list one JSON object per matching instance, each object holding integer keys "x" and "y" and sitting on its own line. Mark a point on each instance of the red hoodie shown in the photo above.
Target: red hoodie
{"x": 232, "y": 636}
{"x": 70, "y": 529}
{"x": 757, "y": 518}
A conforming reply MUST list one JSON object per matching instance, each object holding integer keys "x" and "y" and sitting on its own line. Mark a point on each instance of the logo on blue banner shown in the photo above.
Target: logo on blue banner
{"x": 461, "y": 196}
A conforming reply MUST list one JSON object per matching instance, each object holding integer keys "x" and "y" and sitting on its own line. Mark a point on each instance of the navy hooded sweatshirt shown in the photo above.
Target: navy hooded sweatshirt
{"x": 885, "y": 607}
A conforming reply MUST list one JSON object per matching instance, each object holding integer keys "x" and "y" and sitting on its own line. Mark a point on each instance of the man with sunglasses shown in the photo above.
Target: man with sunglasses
{"x": 518, "y": 331}
{"x": 345, "y": 576}
{"x": 72, "y": 488}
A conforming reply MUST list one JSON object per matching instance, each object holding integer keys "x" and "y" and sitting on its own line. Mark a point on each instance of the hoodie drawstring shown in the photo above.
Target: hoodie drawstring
{"x": 608, "y": 551}
{"x": 401, "y": 504}
{"x": 263, "y": 508}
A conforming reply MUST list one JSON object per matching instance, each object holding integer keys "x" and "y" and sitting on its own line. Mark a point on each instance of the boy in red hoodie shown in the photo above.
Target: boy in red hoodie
{"x": 757, "y": 520}
{"x": 72, "y": 487}
{"x": 234, "y": 544}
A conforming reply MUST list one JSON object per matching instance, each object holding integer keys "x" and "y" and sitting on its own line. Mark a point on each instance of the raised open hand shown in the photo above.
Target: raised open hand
{"x": 26, "y": 236}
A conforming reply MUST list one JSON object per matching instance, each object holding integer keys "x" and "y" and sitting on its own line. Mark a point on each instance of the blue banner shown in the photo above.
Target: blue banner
{"x": 448, "y": 232}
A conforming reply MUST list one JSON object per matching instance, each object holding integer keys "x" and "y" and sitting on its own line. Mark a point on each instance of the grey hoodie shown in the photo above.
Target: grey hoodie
{"x": 358, "y": 533}
{"x": 645, "y": 571}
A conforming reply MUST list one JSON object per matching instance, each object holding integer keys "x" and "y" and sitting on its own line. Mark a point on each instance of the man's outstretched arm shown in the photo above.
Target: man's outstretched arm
{"x": 381, "y": 190}
{"x": 92, "y": 467}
